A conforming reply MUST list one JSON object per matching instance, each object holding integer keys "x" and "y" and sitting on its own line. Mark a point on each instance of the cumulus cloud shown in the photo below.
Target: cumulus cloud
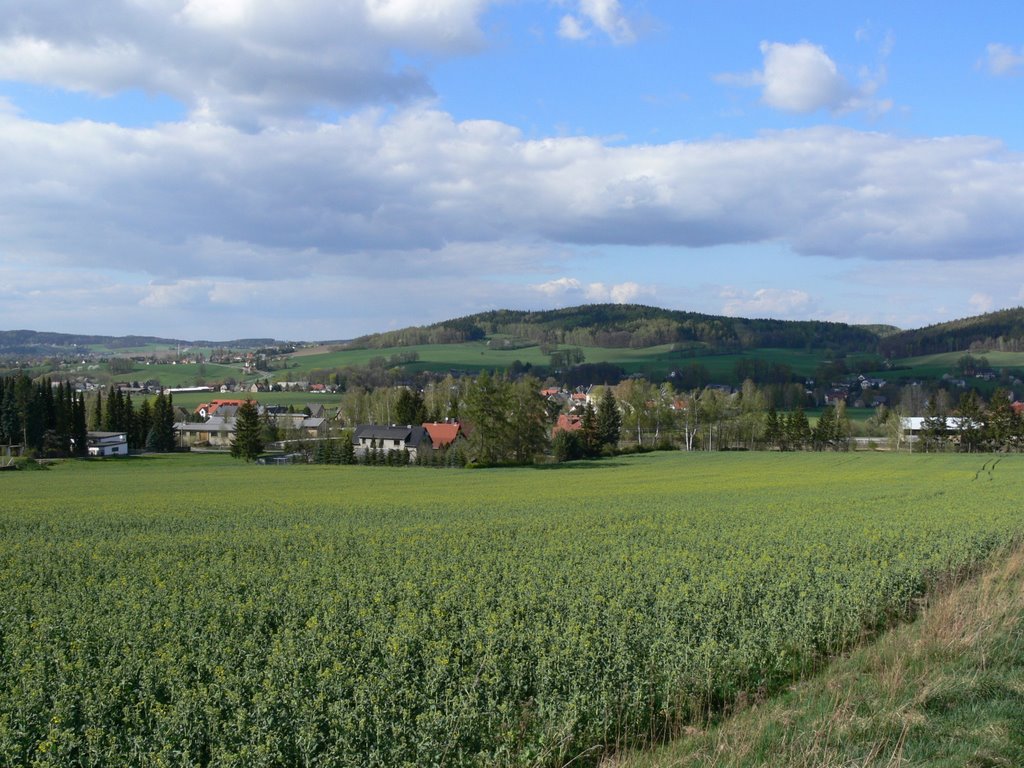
{"x": 1001, "y": 59}
{"x": 981, "y": 302}
{"x": 801, "y": 78}
{"x": 572, "y": 289}
{"x": 242, "y": 61}
{"x": 605, "y": 16}
{"x": 766, "y": 302}
{"x": 559, "y": 287}
{"x": 422, "y": 192}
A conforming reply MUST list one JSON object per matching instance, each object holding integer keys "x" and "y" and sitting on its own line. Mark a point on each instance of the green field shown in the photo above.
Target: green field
{"x": 934, "y": 366}
{"x": 656, "y": 361}
{"x": 188, "y": 610}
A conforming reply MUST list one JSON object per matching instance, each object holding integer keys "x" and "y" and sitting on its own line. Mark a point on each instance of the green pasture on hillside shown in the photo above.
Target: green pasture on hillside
{"x": 185, "y": 374}
{"x": 196, "y": 610}
{"x": 656, "y": 361}
{"x": 934, "y": 366}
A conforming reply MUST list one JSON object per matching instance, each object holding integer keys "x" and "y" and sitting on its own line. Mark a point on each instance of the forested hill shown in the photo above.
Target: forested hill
{"x": 632, "y": 325}
{"x": 994, "y": 331}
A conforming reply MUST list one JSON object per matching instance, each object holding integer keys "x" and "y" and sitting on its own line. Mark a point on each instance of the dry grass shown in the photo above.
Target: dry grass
{"x": 946, "y": 690}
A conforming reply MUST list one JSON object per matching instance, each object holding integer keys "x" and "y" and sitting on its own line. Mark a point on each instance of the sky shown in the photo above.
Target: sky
{"x": 321, "y": 169}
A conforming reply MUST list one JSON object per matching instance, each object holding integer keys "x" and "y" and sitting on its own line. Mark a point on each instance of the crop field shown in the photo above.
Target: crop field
{"x": 188, "y": 610}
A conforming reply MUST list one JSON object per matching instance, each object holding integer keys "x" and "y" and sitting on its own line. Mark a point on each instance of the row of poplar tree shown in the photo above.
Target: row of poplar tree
{"x": 53, "y": 420}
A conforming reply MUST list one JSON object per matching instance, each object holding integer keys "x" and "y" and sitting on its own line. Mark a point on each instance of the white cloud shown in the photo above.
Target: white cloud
{"x": 766, "y": 302}
{"x": 203, "y": 215}
{"x": 248, "y": 62}
{"x": 572, "y": 289}
{"x": 981, "y": 302}
{"x": 572, "y": 29}
{"x": 170, "y": 198}
{"x": 603, "y": 15}
{"x": 559, "y": 287}
{"x": 621, "y": 293}
{"x": 177, "y": 295}
{"x": 802, "y": 78}
{"x": 1003, "y": 59}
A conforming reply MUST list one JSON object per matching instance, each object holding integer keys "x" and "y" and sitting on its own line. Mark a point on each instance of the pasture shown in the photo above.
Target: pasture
{"x": 475, "y": 356}
{"x": 193, "y": 610}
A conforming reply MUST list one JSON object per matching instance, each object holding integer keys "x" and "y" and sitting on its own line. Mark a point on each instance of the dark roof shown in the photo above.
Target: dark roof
{"x": 411, "y": 436}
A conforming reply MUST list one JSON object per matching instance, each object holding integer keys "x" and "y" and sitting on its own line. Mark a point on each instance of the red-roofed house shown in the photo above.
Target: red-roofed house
{"x": 206, "y": 410}
{"x": 443, "y": 434}
{"x": 567, "y": 422}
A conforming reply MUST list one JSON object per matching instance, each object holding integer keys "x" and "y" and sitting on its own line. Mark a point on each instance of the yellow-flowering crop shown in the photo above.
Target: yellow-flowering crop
{"x": 191, "y": 611}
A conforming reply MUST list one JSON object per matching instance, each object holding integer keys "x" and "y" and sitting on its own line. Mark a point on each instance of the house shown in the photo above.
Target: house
{"x": 414, "y": 439}
{"x": 205, "y": 410}
{"x": 316, "y": 410}
{"x": 314, "y": 426}
{"x": 309, "y": 426}
{"x": 567, "y": 422}
{"x": 216, "y": 431}
{"x": 443, "y": 434}
{"x": 107, "y": 443}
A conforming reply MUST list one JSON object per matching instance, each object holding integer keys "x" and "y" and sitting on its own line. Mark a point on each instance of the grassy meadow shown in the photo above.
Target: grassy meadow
{"x": 195, "y": 610}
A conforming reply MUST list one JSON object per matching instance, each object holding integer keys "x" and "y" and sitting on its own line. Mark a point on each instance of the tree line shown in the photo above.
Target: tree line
{"x": 46, "y": 419}
{"x": 51, "y": 420}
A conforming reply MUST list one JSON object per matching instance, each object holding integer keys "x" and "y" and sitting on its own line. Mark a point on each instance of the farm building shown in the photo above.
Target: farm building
{"x": 107, "y": 443}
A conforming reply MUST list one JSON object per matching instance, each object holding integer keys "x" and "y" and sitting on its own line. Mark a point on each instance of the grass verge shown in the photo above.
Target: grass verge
{"x": 947, "y": 690}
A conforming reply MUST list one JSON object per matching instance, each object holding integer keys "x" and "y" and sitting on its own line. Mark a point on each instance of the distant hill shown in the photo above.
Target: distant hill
{"x": 44, "y": 343}
{"x": 1001, "y": 331}
{"x": 633, "y": 325}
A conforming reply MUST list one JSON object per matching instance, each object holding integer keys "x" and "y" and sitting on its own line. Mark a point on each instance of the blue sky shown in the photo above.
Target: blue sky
{"x": 318, "y": 169}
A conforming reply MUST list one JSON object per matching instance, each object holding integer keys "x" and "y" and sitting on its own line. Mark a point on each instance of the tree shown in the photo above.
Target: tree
{"x": 609, "y": 420}
{"x": 248, "y": 443}
{"x": 96, "y": 421}
{"x": 1001, "y": 421}
{"x": 142, "y": 423}
{"x": 588, "y": 431}
{"x": 79, "y": 430}
{"x": 969, "y": 410}
{"x": 528, "y": 423}
{"x": 410, "y": 408}
{"x": 486, "y": 409}
{"x": 933, "y": 426}
{"x": 894, "y": 427}
{"x": 773, "y": 428}
{"x": 567, "y": 446}
{"x": 798, "y": 429}
{"x": 161, "y": 436}
{"x": 824, "y": 432}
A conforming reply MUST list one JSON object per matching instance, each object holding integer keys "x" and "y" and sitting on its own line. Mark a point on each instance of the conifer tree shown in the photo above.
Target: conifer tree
{"x": 248, "y": 442}
{"x": 96, "y": 421}
{"x": 609, "y": 420}
{"x": 79, "y": 427}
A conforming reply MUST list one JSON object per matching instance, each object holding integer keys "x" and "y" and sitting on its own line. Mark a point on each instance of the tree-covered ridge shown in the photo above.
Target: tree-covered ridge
{"x": 636, "y": 326}
{"x": 1002, "y": 331}
{"x": 34, "y": 343}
